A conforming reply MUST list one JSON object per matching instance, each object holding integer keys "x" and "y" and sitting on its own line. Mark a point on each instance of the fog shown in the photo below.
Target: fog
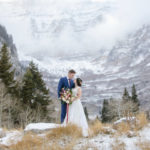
{"x": 63, "y": 27}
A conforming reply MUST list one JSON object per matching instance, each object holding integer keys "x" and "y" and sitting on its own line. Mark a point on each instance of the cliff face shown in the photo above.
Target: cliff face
{"x": 6, "y": 38}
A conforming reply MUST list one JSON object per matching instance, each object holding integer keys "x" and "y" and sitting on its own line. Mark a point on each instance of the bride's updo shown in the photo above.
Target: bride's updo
{"x": 79, "y": 82}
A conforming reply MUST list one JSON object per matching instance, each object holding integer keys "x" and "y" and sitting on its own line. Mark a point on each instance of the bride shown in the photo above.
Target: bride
{"x": 76, "y": 113}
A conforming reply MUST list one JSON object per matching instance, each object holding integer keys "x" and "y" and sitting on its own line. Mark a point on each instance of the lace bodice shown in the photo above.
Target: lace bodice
{"x": 75, "y": 91}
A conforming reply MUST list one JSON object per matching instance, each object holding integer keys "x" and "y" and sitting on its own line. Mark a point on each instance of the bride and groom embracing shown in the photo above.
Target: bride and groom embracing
{"x": 75, "y": 113}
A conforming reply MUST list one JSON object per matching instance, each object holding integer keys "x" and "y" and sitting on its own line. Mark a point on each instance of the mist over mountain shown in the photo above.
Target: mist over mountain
{"x": 66, "y": 27}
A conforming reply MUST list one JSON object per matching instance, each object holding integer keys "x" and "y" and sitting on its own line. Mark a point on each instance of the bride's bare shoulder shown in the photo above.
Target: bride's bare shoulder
{"x": 79, "y": 89}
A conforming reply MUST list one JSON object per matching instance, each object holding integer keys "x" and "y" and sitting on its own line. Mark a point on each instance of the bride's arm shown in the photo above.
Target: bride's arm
{"x": 79, "y": 94}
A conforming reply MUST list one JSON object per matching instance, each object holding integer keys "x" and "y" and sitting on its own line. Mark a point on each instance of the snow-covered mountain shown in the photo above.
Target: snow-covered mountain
{"x": 105, "y": 75}
{"x": 54, "y": 25}
{"x": 79, "y": 34}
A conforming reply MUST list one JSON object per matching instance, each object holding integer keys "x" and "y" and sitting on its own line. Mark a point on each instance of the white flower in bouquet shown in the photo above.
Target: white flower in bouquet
{"x": 66, "y": 96}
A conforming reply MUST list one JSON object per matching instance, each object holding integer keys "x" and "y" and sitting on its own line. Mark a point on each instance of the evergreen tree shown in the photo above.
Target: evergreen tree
{"x": 34, "y": 91}
{"x": 126, "y": 96}
{"x": 134, "y": 98}
{"x": 86, "y": 113}
{"x": 105, "y": 111}
{"x": 6, "y": 71}
{"x": 28, "y": 87}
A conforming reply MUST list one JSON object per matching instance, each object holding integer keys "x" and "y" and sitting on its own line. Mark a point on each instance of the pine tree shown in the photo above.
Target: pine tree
{"x": 134, "y": 98}
{"x": 6, "y": 71}
{"x": 126, "y": 96}
{"x": 134, "y": 94}
{"x": 105, "y": 111}
{"x": 28, "y": 87}
{"x": 86, "y": 113}
{"x": 34, "y": 91}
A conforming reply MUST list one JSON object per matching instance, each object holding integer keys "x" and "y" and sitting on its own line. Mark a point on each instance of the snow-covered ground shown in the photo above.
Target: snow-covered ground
{"x": 10, "y": 137}
{"x": 101, "y": 141}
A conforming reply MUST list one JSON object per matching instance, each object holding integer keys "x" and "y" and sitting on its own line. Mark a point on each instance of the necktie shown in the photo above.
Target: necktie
{"x": 69, "y": 82}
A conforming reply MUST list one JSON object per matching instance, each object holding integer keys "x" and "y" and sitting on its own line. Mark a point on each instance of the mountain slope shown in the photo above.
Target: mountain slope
{"x": 105, "y": 75}
{"x": 6, "y": 38}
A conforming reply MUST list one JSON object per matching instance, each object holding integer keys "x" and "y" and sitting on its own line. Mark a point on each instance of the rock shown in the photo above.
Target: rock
{"x": 131, "y": 134}
{"x": 108, "y": 130}
{"x": 40, "y": 127}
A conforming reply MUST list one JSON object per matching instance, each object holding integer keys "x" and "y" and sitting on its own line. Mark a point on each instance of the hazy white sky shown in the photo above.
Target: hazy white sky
{"x": 33, "y": 23}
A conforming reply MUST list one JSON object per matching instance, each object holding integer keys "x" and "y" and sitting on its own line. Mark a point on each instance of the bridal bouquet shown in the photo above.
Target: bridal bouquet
{"x": 66, "y": 95}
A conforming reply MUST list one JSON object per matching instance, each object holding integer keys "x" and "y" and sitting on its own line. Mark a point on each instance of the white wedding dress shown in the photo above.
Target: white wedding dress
{"x": 76, "y": 114}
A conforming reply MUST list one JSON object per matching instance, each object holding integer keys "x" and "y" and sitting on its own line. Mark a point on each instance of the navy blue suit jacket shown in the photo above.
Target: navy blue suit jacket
{"x": 63, "y": 83}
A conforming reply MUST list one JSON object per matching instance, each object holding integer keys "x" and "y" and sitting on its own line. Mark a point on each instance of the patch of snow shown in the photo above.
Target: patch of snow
{"x": 41, "y": 126}
{"x": 146, "y": 133}
{"x": 123, "y": 50}
{"x": 137, "y": 61}
{"x": 92, "y": 117}
{"x": 130, "y": 143}
{"x": 124, "y": 120}
{"x": 148, "y": 64}
{"x": 12, "y": 137}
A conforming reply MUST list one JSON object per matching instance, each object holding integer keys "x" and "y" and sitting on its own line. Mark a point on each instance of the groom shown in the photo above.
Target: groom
{"x": 65, "y": 82}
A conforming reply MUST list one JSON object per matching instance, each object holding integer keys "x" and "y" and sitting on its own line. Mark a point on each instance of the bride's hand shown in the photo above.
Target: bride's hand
{"x": 73, "y": 99}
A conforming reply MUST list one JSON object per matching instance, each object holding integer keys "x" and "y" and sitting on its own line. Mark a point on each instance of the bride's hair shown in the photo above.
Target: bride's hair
{"x": 79, "y": 81}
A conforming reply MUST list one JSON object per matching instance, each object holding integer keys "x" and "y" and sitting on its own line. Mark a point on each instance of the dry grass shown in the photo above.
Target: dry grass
{"x": 141, "y": 121}
{"x": 33, "y": 142}
{"x": 69, "y": 130}
{"x": 61, "y": 138}
{"x": 118, "y": 145}
{"x": 123, "y": 128}
{"x": 3, "y": 147}
{"x": 30, "y": 141}
{"x": 67, "y": 136}
{"x": 97, "y": 128}
{"x": 5, "y": 129}
{"x": 145, "y": 145}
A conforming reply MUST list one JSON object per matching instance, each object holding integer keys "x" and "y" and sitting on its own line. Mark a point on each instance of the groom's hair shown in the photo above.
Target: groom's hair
{"x": 72, "y": 71}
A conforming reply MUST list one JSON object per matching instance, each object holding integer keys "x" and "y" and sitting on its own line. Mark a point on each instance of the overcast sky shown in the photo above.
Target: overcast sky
{"x": 37, "y": 26}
